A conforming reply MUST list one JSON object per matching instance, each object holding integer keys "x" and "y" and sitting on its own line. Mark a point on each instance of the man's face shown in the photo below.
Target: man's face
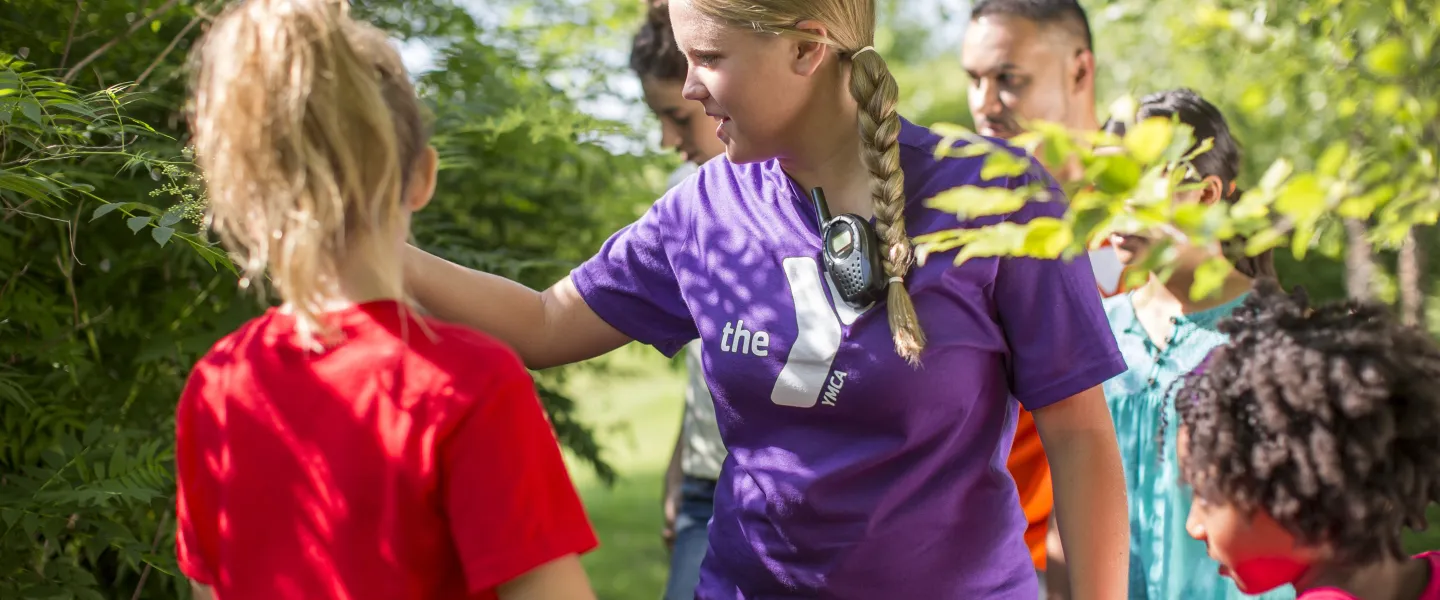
{"x": 1019, "y": 70}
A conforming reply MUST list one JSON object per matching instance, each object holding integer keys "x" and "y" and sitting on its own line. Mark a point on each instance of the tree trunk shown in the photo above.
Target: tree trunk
{"x": 1359, "y": 264}
{"x": 1411, "y": 273}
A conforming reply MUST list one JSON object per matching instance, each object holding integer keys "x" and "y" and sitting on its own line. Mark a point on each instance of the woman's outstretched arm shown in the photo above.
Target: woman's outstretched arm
{"x": 547, "y": 329}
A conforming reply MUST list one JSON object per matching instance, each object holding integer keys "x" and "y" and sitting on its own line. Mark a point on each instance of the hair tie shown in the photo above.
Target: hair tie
{"x": 899, "y": 280}
{"x": 862, "y": 51}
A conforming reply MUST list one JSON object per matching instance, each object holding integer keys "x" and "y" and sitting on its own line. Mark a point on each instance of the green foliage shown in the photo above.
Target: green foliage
{"x": 1335, "y": 102}
{"x": 103, "y": 310}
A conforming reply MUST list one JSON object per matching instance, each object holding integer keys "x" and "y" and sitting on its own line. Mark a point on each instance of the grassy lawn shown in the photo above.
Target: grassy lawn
{"x": 636, "y": 408}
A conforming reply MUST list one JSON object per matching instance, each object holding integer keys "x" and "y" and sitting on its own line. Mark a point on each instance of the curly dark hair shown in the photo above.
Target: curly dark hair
{"x": 1327, "y": 418}
{"x": 653, "y": 52}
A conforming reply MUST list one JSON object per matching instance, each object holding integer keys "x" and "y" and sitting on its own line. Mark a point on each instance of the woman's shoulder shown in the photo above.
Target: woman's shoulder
{"x": 940, "y": 152}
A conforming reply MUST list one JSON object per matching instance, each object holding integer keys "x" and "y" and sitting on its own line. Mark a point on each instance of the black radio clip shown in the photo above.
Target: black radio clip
{"x": 850, "y": 250}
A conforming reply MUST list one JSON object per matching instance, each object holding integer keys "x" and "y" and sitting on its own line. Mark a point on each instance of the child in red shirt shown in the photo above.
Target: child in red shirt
{"x": 340, "y": 445}
{"x": 1311, "y": 440}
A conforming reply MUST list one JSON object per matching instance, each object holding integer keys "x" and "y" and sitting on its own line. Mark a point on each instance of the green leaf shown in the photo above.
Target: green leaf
{"x": 26, "y": 186}
{"x": 1330, "y": 241}
{"x": 105, "y": 209}
{"x": 1204, "y": 146}
{"x": 1376, "y": 173}
{"x": 1301, "y": 239}
{"x": 1047, "y": 237}
{"x": 1190, "y": 217}
{"x": 1363, "y": 205}
{"x": 1388, "y": 58}
{"x": 172, "y": 216}
{"x": 1004, "y": 239}
{"x": 1268, "y": 239}
{"x": 951, "y": 130}
{"x": 31, "y": 110}
{"x": 1030, "y": 140}
{"x": 162, "y": 235}
{"x": 1275, "y": 175}
{"x": 968, "y": 151}
{"x": 1302, "y": 199}
{"x": 968, "y": 202}
{"x": 1387, "y": 99}
{"x": 1149, "y": 138}
{"x": 1333, "y": 158}
{"x": 1209, "y": 277}
{"x": 1003, "y": 164}
{"x": 1117, "y": 173}
{"x": 137, "y": 223}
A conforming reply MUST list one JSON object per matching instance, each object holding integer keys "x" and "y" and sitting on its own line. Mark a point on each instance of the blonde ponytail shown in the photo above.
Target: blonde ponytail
{"x": 306, "y": 128}
{"x": 876, "y": 93}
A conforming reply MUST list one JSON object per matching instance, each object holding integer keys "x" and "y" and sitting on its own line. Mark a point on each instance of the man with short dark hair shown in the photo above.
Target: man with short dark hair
{"x": 1033, "y": 60}
{"x": 1027, "y": 60}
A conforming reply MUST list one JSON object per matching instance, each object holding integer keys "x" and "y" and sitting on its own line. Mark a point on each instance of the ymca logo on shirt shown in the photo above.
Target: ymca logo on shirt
{"x": 807, "y": 378}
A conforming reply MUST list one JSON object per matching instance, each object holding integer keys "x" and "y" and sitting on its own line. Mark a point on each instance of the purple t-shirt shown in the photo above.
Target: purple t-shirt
{"x": 850, "y": 473}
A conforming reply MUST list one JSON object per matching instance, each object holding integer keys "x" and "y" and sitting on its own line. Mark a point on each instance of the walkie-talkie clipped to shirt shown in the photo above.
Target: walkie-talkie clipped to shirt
{"x": 851, "y": 253}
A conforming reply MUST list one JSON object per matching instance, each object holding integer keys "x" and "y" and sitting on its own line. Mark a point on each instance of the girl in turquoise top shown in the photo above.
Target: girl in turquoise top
{"x": 1163, "y": 334}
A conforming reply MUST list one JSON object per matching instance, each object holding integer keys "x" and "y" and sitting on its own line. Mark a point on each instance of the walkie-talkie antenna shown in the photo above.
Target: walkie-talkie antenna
{"x": 817, "y": 196}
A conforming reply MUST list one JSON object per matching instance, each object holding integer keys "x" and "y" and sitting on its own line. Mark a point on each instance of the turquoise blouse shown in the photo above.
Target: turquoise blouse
{"x": 1165, "y": 562}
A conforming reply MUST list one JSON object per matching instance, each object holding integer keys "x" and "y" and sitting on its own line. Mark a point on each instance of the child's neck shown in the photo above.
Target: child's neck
{"x": 1173, "y": 295}
{"x": 1388, "y": 579}
{"x": 362, "y": 278}
{"x": 1159, "y": 303}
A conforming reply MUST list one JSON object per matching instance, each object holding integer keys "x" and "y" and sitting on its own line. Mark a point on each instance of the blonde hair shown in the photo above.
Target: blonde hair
{"x": 851, "y": 26}
{"x": 307, "y": 128}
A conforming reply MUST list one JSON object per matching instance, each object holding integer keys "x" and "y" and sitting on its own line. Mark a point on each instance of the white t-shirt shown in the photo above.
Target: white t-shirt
{"x": 701, "y": 451}
{"x": 1108, "y": 270}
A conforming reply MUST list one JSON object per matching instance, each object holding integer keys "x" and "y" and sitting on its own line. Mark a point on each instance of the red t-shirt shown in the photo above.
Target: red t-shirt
{"x": 395, "y": 464}
{"x": 1432, "y": 590}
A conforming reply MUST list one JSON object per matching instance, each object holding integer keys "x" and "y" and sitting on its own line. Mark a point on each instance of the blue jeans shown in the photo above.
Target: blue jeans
{"x": 692, "y": 528}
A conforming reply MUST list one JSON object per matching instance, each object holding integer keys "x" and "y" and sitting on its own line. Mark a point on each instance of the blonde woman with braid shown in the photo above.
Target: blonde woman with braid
{"x": 867, "y": 444}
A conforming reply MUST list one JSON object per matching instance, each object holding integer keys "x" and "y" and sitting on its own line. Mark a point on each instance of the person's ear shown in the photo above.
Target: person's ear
{"x": 1082, "y": 71}
{"x": 807, "y": 54}
{"x": 422, "y": 180}
{"x": 1213, "y": 190}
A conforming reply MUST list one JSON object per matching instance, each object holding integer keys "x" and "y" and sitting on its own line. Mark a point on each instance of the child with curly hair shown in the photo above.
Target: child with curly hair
{"x": 1310, "y": 440}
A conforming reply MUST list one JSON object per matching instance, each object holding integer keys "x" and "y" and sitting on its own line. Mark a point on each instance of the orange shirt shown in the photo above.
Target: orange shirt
{"x": 1031, "y": 470}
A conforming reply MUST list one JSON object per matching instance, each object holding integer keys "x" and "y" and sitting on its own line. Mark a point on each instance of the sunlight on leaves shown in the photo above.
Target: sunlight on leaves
{"x": 968, "y": 202}
{"x": 1149, "y": 139}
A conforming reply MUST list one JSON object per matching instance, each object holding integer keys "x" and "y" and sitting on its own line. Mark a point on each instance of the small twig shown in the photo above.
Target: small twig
{"x": 155, "y": 14}
{"x": 69, "y": 38}
{"x": 70, "y": 287}
{"x": 75, "y": 225}
{"x": 154, "y": 546}
{"x": 17, "y": 209}
{"x": 166, "y": 52}
{"x": 13, "y": 279}
{"x": 89, "y": 322}
{"x": 34, "y": 215}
